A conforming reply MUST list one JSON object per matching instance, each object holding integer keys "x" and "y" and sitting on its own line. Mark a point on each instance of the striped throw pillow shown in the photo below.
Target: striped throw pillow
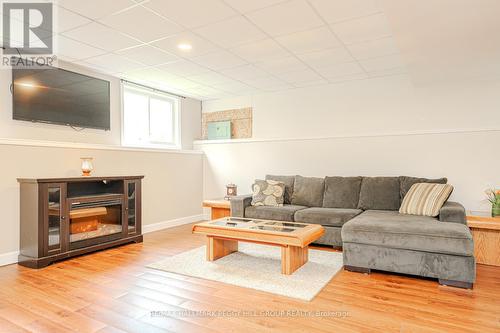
{"x": 425, "y": 199}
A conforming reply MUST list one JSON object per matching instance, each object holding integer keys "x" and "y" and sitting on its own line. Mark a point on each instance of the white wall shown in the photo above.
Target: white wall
{"x": 382, "y": 126}
{"x": 172, "y": 187}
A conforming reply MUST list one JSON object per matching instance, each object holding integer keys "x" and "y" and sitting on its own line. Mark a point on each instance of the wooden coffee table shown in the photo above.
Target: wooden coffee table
{"x": 224, "y": 234}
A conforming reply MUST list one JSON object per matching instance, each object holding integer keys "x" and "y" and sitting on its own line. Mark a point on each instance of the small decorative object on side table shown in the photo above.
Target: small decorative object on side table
{"x": 231, "y": 191}
{"x": 219, "y": 208}
{"x": 494, "y": 198}
{"x": 485, "y": 230}
{"x": 87, "y": 166}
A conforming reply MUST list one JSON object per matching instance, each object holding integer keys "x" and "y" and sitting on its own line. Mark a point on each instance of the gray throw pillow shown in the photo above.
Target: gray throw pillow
{"x": 308, "y": 191}
{"x": 407, "y": 182}
{"x": 268, "y": 193}
{"x": 288, "y": 181}
{"x": 379, "y": 193}
{"x": 342, "y": 192}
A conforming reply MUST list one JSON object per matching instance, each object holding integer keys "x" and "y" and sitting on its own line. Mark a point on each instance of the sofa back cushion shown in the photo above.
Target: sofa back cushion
{"x": 379, "y": 193}
{"x": 288, "y": 181}
{"x": 425, "y": 199}
{"x": 407, "y": 182}
{"x": 342, "y": 192}
{"x": 308, "y": 191}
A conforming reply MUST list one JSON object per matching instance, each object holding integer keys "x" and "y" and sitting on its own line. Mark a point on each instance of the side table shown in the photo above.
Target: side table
{"x": 219, "y": 208}
{"x": 486, "y": 233}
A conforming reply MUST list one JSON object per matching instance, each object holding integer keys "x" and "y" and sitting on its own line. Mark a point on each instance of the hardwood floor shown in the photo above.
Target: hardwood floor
{"x": 112, "y": 291}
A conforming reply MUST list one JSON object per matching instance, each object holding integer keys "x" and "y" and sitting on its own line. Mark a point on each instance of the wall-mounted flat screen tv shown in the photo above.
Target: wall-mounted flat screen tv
{"x": 57, "y": 96}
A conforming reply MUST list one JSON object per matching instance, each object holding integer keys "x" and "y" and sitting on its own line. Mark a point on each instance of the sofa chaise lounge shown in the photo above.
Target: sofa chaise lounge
{"x": 361, "y": 215}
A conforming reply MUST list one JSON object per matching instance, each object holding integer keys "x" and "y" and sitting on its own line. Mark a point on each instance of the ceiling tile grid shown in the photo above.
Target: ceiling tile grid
{"x": 238, "y": 46}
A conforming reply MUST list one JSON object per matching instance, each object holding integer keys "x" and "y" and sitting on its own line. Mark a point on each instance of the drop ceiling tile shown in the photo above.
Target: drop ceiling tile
{"x": 113, "y": 63}
{"x": 182, "y": 83}
{"x": 335, "y": 11}
{"x": 388, "y": 72}
{"x": 200, "y": 45}
{"x": 175, "y": 85}
{"x": 374, "y": 48}
{"x": 209, "y": 78}
{"x": 259, "y": 51}
{"x": 348, "y": 68}
{"x": 219, "y": 60}
{"x": 281, "y": 65}
{"x": 244, "y": 72}
{"x": 148, "y": 55}
{"x": 209, "y": 91}
{"x": 233, "y": 87}
{"x": 350, "y": 77}
{"x": 67, "y": 20}
{"x": 326, "y": 58}
{"x": 309, "y": 41}
{"x": 382, "y": 63}
{"x": 265, "y": 82}
{"x": 102, "y": 37}
{"x": 299, "y": 76}
{"x": 149, "y": 26}
{"x": 245, "y": 6}
{"x": 286, "y": 18}
{"x": 95, "y": 9}
{"x": 301, "y": 84}
{"x": 231, "y": 32}
{"x": 150, "y": 74}
{"x": 94, "y": 67}
{"x": 192, "y": 13}
{"x": 362, "y": 29}
{"x": 76, "y": 50}
{"x": 183, "y": 68}
{"x": 282, "y": 87}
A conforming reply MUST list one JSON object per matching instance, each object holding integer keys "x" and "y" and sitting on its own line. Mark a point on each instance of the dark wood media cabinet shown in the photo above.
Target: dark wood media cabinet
{"x": 67, "y": 217}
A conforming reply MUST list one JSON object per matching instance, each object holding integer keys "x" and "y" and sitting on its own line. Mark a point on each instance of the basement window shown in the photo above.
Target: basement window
{"x": 150, "y": 118}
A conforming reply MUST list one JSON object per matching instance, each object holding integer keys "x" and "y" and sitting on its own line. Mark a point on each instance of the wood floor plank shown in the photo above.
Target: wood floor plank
{"x": 112, "y": 291}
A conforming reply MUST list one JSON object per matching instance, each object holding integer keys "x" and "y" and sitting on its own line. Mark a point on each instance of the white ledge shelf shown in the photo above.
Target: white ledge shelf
{"x": 349, "y": 136}
{"x": 78, "y": 145}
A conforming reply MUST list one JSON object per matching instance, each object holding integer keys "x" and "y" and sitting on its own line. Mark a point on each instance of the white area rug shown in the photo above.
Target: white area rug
{"x": 258, "y": 267}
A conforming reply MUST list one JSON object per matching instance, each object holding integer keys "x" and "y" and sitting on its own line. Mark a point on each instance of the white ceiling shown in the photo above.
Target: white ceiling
{"x": 239, "y": 46}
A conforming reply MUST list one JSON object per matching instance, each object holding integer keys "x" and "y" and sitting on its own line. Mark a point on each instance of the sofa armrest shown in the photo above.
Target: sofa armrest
{"x": 239, "y": 203}
{"x": 452, "y": 212}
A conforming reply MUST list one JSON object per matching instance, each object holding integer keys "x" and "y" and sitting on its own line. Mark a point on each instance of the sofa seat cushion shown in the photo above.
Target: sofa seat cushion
{"x": 419, "y": 233}
{"x": 281, "y": 213}
{"x": 332, "y": 217}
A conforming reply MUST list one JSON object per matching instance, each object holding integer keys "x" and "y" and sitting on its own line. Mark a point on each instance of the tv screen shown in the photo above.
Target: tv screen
{"x": 58, "y": 96}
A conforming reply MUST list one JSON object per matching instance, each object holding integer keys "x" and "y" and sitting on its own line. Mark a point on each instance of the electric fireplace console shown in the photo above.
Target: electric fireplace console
{"x": 66, "y": 217}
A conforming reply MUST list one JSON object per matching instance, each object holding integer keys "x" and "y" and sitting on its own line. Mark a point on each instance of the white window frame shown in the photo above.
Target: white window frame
{"x": 151, "y": 92}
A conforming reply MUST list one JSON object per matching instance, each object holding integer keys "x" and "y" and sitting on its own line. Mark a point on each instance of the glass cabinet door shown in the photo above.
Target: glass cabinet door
{"x": 55, "y": 217}
{"x": 131, "y": 206}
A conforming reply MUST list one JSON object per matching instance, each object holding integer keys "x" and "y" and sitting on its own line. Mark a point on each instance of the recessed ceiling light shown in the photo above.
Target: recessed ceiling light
{"x": 185, "y": 47}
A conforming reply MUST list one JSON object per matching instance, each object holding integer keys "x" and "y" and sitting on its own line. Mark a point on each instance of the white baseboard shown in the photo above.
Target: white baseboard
{"x": 172, "y": 223}
{"x": 8, "y": 258}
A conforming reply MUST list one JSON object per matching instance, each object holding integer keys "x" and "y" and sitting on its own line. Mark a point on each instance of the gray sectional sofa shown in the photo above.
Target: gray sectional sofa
{"x": 361, "y": 215}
